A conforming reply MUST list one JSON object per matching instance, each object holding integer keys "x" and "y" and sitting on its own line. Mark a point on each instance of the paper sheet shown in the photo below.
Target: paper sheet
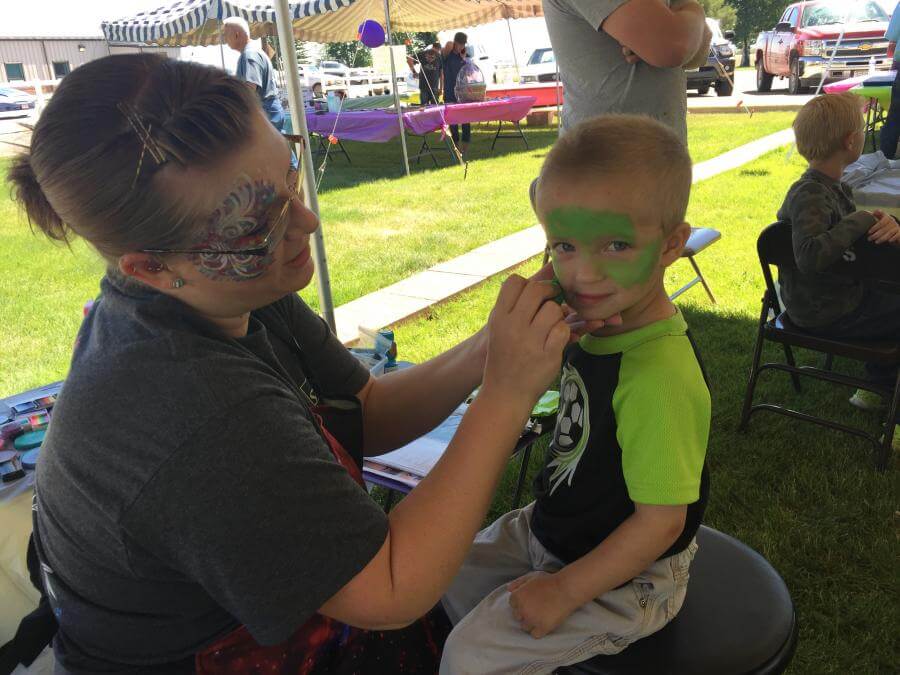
{"x": 420, "y": 456}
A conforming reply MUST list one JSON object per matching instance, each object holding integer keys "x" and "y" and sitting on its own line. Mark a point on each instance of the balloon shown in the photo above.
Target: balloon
{"x": 370, "y": 33}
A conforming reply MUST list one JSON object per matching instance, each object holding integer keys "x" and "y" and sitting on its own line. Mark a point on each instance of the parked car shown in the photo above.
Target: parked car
{"x": 718, "y": 73}
{"x": 15, "y": 103}
{"x": 801, "y": 44}
{"x": 334, "y": 68}
{"x": 540, "y": 67}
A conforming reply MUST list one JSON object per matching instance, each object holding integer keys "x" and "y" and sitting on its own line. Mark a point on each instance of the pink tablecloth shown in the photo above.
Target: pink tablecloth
{"x": 380, "y": 126}
{"x": 845, "y": 85}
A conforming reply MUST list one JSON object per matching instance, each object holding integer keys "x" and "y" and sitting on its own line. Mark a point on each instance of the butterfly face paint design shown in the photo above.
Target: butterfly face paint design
{"x": 241, "y": 222}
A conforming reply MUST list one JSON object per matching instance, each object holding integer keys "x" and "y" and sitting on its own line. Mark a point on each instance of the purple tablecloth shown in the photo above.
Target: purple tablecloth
{"x": 380, "y": 126}
{"x": 429, "y": 119}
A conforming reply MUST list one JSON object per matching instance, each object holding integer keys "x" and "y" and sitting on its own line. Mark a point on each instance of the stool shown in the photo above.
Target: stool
{"x": 738, "y": 618}
{"x": 700, "y": 238}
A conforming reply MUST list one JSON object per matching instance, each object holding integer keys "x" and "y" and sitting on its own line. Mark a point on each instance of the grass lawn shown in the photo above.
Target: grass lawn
{"x": 806, "y": 498}
{"x": 379, "y": 228}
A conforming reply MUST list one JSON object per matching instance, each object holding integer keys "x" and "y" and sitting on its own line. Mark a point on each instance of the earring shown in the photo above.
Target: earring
{"x": 178, "y": 283}
{"x": 156, "y": 267}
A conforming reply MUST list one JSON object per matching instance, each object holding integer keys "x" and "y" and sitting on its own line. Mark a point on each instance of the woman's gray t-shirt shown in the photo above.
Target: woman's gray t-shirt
{"x": 183, "y": 488}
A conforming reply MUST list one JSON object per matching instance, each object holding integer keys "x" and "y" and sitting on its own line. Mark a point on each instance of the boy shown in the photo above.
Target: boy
{"x": 601, "y": 558}
{"x": 824, "y": 223}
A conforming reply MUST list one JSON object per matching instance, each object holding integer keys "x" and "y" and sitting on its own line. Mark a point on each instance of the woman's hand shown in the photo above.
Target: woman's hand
{"x": 580, "y": 327}
{"x": 526, "y": 336}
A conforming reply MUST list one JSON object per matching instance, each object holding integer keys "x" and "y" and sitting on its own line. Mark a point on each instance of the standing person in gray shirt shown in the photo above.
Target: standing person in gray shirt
{"x": 255, "y": 68}
{"x": 626, "y": 56}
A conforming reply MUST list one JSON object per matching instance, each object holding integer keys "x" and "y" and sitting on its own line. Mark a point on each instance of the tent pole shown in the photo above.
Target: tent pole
{"x": 558, "y": 85}
{"x": 298, "y": 118}
{"x": 221, "y": 47}
{"x": 513, "y": 45}
{"x": 390, "y": 39}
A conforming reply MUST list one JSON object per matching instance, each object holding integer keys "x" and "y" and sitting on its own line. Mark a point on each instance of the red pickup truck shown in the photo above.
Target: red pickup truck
{"x": 801, "y": 44}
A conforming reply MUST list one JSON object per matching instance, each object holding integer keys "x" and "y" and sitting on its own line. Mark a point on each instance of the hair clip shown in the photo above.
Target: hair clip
{"x": 143, "y": 133}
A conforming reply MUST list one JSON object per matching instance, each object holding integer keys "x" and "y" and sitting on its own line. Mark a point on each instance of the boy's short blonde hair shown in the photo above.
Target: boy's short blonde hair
{"x": 824, "y": 122}
{"x": 627, "y": 146}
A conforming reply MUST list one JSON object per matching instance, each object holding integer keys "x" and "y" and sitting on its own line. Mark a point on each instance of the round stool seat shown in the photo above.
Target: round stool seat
{"x": 737, "y": 619}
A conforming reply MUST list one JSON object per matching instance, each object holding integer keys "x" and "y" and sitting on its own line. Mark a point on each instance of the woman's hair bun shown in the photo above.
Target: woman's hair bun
{"x": 28, "y": 193}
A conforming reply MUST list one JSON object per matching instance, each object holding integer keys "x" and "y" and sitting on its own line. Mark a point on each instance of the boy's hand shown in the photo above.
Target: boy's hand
{"x": 539, "y": 603}
{"x": 886, "y": 230}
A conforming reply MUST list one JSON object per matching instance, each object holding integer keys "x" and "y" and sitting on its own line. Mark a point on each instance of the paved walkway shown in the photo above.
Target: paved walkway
{"x": 745, "y": 94}
{"x": 414, "y": 295}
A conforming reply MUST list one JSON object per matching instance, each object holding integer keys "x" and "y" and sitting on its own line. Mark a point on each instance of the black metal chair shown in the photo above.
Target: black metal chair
{"x": 775, "y": 247}
{"x": 738, "y": 617}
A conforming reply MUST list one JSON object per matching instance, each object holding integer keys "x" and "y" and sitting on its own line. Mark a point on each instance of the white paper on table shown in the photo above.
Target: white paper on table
{"x": 420, "y": 456}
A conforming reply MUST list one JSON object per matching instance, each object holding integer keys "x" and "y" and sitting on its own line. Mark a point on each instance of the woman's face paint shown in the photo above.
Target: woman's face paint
{"x": 242, "y": 221}
{"x": 608, "y": 238}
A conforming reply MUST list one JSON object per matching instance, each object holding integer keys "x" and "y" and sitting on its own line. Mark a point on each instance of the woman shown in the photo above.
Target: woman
{"x": 199, "y": 503}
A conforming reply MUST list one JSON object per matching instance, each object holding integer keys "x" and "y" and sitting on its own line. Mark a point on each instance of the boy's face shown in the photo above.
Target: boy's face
{"x": 608, "y": 255}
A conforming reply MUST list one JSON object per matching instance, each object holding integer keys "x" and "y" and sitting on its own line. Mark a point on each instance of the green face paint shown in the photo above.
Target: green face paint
{"x": 586, "y": 226}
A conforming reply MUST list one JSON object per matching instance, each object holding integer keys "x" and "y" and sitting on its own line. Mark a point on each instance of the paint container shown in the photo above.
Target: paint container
{"x": 10, "y": 431}
{"x": 28, "y": 441}
{"x": 29, "y": 459}
{"x": 10, "y": 466}
{"x": 39, "y": 421}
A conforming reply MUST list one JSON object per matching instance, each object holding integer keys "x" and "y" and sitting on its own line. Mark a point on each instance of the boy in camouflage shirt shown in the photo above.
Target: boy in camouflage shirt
{"x": 825, "y": 222}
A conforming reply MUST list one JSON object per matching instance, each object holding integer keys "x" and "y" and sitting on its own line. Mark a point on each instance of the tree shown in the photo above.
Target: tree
{"x": 300, "y": 51}
{"x": 720, "y": 10}
{"x": 415, "y": 42}
{"x": 345, "y": 52}
{"x": 754, "y": 16}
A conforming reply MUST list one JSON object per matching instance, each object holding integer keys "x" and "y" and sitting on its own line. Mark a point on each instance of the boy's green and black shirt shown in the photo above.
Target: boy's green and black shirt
{"x": 824, "y": 223}
{"x": 633, "y": 426}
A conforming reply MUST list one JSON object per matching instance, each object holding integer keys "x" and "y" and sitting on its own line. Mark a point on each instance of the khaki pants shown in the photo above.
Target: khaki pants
{"x": 487, "y": 639}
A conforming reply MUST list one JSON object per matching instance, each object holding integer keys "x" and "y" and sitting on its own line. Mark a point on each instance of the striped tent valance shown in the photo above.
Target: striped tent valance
{"x": 197, "y": 22}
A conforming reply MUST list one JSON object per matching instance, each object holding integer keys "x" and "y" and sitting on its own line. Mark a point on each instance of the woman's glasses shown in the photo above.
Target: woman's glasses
{"x": 277, "y": 216}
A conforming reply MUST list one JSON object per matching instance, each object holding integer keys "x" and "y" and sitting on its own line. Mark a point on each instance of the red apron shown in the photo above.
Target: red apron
{"x": 325, "y": 646}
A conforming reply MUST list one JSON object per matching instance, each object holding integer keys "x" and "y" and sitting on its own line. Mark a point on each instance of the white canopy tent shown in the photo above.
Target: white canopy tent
{"x": 198, "y": 22}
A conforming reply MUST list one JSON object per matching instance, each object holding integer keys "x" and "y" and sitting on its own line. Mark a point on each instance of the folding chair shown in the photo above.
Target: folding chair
{"x": 774, "y": 247}
{"x": 700, "y": 238}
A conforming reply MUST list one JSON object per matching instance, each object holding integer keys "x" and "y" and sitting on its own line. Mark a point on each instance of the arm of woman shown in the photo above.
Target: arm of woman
{"x": 431, "y": 530}
{"x": 432, "y": 390}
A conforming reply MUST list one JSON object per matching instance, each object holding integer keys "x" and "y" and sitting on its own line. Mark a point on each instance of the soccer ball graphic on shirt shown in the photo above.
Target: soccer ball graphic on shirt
{"x": 573, "y": 428}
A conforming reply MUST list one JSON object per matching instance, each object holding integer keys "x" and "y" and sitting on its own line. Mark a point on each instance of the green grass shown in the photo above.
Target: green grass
{"x": 806, "y": 498}
{"x": 380, "y": 227}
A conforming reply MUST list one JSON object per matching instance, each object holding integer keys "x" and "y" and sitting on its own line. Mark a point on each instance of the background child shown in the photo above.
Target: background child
{"x": 601, "y": 558}
{"x": 825, "y": 223}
